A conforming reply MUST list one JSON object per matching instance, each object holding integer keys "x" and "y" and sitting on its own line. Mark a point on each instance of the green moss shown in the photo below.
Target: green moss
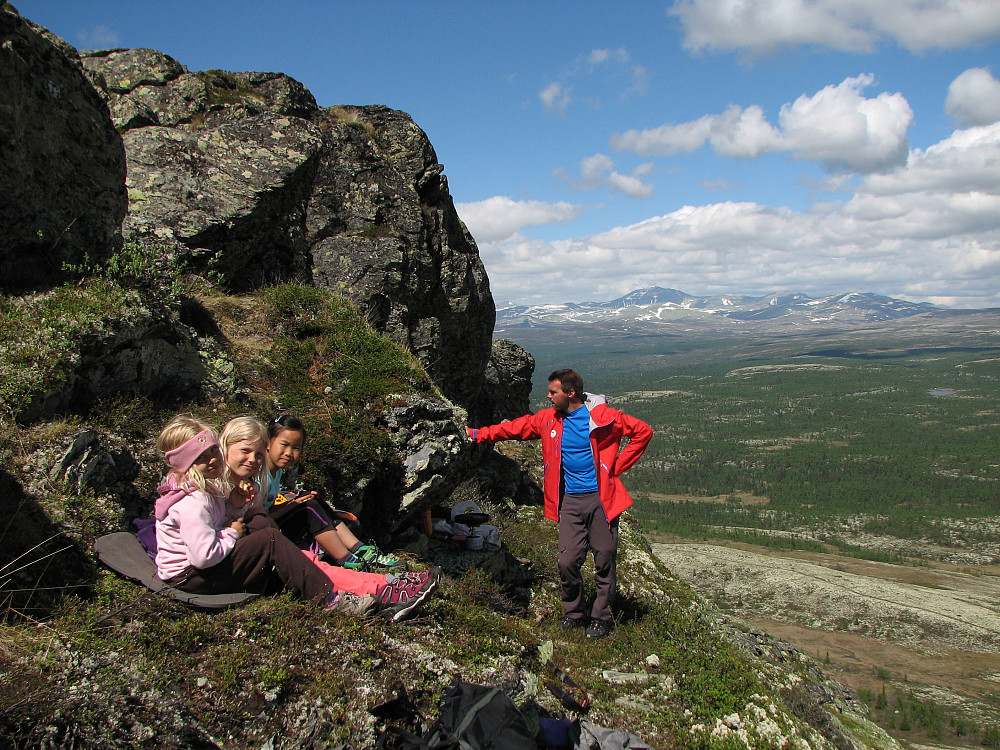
{"x": 470, "y": 613}
{"x": 331, "y": 368}
{"x": 378, "y": 230}
{"x": 42, "y": 336}
{"x": 711, "y": 673}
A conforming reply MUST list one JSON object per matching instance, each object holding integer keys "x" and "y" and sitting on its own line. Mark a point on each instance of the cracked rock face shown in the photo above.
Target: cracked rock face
{"x": 426, "y": 433}
{"x": 508, "y": 383}
{"x": 227, "y": 195}
{"x": 62, "y": 165}
{"x": 246, "y": 177}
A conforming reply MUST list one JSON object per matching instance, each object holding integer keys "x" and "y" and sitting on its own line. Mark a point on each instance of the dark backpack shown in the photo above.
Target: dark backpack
{"x": 472, "y": 717}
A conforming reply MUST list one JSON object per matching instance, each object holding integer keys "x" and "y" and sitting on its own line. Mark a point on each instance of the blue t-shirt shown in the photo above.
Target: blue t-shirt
{"x": 577, "y": 457}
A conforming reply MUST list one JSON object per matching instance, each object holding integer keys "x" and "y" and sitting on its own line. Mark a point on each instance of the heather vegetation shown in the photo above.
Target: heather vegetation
{"x": 90, "y": 659}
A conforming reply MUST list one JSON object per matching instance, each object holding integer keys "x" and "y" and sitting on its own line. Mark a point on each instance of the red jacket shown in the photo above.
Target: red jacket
{"x": 607, "y": 429}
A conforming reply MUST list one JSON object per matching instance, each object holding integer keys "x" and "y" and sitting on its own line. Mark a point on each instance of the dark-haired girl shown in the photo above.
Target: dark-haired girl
{"x": 306, "y": 516}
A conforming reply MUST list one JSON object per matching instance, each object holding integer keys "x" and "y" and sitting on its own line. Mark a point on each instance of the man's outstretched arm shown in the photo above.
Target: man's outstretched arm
{"x": 522, "y": 428}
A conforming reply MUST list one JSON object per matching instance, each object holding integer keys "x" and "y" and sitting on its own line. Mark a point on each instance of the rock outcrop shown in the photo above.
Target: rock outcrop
{"x": 244, "y": 179}
{"x": 507, "y": 392}
{"x": 62, "y": 164}
{"x": 254, "y": 183}
{"x": 82, "y": 351}
{"x": 424, "y": 433}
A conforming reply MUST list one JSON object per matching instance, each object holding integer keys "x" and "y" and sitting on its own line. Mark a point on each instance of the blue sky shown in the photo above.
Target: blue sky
{"x": 711, "y": 146}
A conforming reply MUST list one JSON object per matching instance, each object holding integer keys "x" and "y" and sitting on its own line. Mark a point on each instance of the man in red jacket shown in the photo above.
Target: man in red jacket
{"x": 583, "y": 455}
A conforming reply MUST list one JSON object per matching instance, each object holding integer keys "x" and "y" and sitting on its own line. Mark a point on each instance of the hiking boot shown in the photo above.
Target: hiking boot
{"x": 349, "y": 604}
{"x": 598, "y": 629}
{"x": 399, "y": 598}
{"x": 375, "y": 558}
{"x": 568, "y": 622}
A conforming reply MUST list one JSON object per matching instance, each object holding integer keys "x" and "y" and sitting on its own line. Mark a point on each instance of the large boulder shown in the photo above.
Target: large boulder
{"x": 229, "y": 196}
{"x": 427, "y": 435}
{"x": 146, "y": 87}
{"x": 385, "y": 232}
{"x": 62, "y": 163}
{"x": 247, "y": 178}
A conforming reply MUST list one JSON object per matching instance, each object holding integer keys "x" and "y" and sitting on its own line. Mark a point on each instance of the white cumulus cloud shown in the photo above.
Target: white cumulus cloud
{"x": 765, "y": 26}
{"x": 928, "y": 230}
{"x": 844, "y": 130}
{"x": 743, "y": 132}
{"x": 555, "y": 97}
{"x": 665, "y": 140}
{"x": 974, "y": 98}
{"x": 499, "y": 218}
{"x": 837, "y": 126}
{"x": 598, "y": 171}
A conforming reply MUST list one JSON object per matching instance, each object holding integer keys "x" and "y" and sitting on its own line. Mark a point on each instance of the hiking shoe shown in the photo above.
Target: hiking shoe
{"x": 419, "y": 578}
{"x": 598, "y": 629}
{"x": 399, "y": 598}
{"x": 349, "y": 604}
{"x": 375, "y": 558}
{"x": 568, "y": 623}
{"x": 356, "y": 563}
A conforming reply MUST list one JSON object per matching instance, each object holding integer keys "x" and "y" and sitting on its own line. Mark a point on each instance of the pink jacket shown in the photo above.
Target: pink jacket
{"x": 608, "y": 427}
{"x": 192, "y": 528}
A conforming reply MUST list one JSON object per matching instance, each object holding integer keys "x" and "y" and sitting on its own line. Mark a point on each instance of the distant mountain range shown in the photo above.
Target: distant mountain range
{"x": 655, "y": 305}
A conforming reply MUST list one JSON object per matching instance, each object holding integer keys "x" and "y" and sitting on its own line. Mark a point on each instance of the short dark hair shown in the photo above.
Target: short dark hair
{"x": 570, "y": 380}
{"x": 285, "y": 422}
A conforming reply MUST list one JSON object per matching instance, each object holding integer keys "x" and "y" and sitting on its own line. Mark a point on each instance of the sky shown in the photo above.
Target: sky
{"x": 709, "y": 146}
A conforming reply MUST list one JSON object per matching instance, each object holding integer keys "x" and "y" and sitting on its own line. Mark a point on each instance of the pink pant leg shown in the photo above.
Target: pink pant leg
{"x": 348, "y": 581}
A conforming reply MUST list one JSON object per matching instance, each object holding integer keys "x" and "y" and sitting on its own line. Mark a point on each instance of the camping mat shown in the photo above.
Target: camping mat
{"x": 122, "y": 553}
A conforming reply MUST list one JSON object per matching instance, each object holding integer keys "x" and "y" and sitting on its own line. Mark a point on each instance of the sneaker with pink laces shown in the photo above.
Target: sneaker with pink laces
{"x": 400, "y": 597}
{"x": 420, "y": 577}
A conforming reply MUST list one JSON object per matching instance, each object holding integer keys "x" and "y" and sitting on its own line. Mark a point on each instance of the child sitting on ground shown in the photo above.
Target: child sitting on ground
{"x": 244, "y": 445}
{"x": 201, "y": 549}
{"x": 306, "y": 517}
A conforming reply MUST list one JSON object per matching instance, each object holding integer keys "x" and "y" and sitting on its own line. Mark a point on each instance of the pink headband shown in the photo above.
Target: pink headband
{"x": 183, "y": 456}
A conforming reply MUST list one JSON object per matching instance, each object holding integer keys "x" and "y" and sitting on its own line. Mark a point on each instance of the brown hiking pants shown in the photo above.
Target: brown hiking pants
{"x": 264, "y": 556}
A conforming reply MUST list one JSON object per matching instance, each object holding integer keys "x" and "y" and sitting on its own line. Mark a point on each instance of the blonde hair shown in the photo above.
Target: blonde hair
{"x": 178, "y": 431}
{"x": 244, "y": 428}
